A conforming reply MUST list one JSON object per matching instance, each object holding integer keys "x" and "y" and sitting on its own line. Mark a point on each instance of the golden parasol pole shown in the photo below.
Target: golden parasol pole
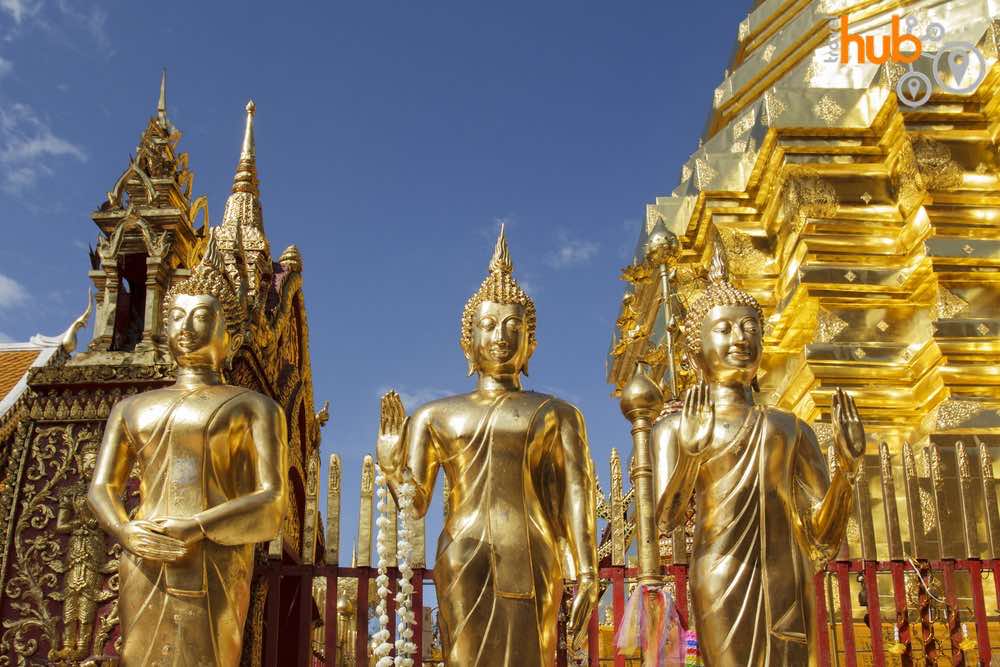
{"x": 641, "y": 402}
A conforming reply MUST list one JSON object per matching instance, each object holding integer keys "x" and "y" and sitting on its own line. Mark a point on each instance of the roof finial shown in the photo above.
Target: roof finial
{"x": 246, "y": 171}
{"x": 248, "y": 150}
{"x": 161, "y": 107}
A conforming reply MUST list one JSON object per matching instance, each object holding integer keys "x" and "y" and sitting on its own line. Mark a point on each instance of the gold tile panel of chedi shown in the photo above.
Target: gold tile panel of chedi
{"x": 867, "y": 230}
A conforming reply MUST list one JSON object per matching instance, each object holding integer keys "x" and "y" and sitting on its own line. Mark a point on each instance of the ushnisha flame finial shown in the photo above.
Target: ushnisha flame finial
{"x": 498, "y": 287}
{"x": 246, "y": 171}
{"x": 501, "y": 262}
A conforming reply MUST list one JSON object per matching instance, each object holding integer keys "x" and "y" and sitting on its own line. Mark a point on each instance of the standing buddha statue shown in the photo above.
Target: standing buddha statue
{"x": 212, "y": 460}
{"x": 521, "y": 490}
{"x": 768, "y": 512}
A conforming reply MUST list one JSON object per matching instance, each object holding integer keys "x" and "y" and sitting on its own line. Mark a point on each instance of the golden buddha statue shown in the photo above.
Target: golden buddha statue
{"x": 212, "y": 460}
{"x": 521, "y": 490}
{"x": 768, "y": 512}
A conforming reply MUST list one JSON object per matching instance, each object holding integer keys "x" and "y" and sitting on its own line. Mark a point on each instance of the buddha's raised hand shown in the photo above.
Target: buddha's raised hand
{"x": 391, "y": 416}
{"x": 848, "y": 431}
{"x": 697, "y": 420}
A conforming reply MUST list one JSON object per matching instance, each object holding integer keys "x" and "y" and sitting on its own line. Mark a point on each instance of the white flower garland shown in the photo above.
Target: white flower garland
{"x": 405, "y": 647}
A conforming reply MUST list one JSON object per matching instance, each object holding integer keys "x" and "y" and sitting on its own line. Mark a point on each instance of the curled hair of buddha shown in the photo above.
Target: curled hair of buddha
{"x": 720, "y": 292}
{"x": 498, "y": 287}
{"x": 209, "y": 278}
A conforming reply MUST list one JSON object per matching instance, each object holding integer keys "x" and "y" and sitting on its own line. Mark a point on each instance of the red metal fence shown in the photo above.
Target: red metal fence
{"x": 948, "y": 623}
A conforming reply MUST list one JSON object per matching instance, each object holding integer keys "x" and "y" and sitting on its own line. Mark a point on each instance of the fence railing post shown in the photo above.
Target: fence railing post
{"x": 361, "y": 616}
{"x": 332, "y": 621}
{"x": 418, "y": 609}
{"x": 846, "y": 615}
{"x": 594, "y": 638}
{"x": 975, "y": 568}
{"x": 273, "y": 615}
{"x": 822, "y": 619}
{"x": 874, "y": 612}
{"x": 902, "y": 611}
{"x": 617, "y": 575}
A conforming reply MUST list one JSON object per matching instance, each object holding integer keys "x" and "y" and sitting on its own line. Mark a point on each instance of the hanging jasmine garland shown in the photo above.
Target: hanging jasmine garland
{"x": 405, "y": 647}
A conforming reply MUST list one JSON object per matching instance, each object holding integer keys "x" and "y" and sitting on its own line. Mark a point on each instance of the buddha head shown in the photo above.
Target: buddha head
{"x": 724, "y": 329}
{"x": 204, "y": 315}
{"x": 498, "y": 321}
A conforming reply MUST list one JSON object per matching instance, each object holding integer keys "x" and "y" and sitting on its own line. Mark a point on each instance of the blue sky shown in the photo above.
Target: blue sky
{"x": 392, "y": 138}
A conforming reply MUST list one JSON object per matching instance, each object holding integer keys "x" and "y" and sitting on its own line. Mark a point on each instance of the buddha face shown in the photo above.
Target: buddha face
{"x": 196, "y": 331}
{"x": 731, "y": 344}
{"x": 499, "y": 339}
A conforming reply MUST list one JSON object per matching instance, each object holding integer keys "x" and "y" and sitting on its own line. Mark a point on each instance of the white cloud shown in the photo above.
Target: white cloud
{"x": 530, "y": 287}
{"x": 12, "y": 293}
{"x": 19, "y": 10}
{"x": 6, "y": 67}
{"x": 4, "y": 338}
{"x": 27, "y": 144}
{"x": 572, "y": 251}
{"x": 94, "y": 20}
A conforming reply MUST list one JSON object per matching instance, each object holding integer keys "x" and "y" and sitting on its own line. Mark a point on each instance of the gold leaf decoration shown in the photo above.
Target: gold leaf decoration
{"x": 952, "y": 413}
{"x": 828, "y": 326}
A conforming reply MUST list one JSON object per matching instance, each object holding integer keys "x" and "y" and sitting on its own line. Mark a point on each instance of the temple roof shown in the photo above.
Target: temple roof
{"x": 16, "y": 359}
{"x": 14, "y": 365}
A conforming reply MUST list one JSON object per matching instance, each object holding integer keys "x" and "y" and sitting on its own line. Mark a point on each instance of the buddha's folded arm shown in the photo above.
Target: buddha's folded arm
{"x": 256, "y": 516}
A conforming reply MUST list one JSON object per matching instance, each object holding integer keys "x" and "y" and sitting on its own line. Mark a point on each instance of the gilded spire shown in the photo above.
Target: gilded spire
{"x": 161, "y": 106}
{"x": 242, "y": 229}
{"x": 246, "y": 171}
{"x": 248, "y": 148}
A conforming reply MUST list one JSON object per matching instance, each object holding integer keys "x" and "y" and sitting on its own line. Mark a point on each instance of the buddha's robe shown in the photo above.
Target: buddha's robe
{"x": 195, "y": 452}
{"x": 754, "y": 554}
{"x": 510, "y": 461}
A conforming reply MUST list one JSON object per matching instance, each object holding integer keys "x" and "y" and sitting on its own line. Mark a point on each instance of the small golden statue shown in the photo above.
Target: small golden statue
{"x": 85, "y": 561}
{"x": 212, "y": 461}
{"x": 521, "y": 490}
{"x": 768, "y": 513}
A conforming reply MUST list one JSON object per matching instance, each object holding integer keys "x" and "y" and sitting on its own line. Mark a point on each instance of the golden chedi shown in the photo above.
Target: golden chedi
{"x": 211, "y": 459}
{"x": 768, "y": 511}
{"x": 521, "y": 490}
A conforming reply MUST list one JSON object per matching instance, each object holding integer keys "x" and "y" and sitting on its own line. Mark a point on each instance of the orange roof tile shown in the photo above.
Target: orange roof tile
{"x": 13, "y": 365}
